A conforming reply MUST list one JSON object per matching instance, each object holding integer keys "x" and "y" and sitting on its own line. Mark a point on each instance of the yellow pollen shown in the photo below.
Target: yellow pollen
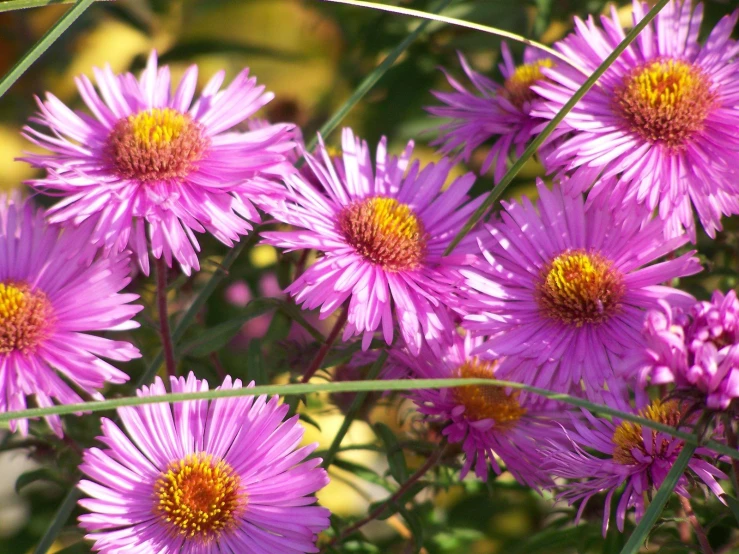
{"x": 25, "y": 317}
{"x": 628, "y": 436}
{"x": 384, "y": 231}
{"x": 665, "y": 101}
{"x": 487, "y": 401}
{"x": 198, "y": 498}
{"x": 156, "y": 145}
{"x": 518, "y": 85}
{"x": 579, "y": 287}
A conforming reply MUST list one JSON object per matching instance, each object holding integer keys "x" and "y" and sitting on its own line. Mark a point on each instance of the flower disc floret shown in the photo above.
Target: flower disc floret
{"x": 25, "y": 317}
{"x": 199, "y": 497}
{"x": 665, "y": 101}
{"x": 628, "y": 436}
{"x": 518, "y": 85}
{"x": 579, "y": 287}
{"x": 384, "y": 231}
{"x": 156, "y": 145}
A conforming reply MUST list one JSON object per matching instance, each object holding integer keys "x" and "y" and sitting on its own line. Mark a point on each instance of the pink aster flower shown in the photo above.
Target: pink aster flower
{"x": 488, "y": 420}
{"x": 203, "y": 477}
{"x": 628, "y": 454}
{"x": 501, "y": 113}
{"x": 150, "y": 158}
{"x": 382, "y": 231}
{"x": 49, "y": 304}
{"x": 662, "y": 124}
{"x": 697, "y": 349}
{"x": 562, "y": 290}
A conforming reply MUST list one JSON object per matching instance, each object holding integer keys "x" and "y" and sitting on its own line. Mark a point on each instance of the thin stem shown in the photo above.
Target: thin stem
{"x": 60, "y": 519}
{"x": 699, "y": 532}
{"x": 326, "y": 346}
{"x": 161, "y": 270}
{"x": 354, "y": 409}
{"x": 377, "y": 512}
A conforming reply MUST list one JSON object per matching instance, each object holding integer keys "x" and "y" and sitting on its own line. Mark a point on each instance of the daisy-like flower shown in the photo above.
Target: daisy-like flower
{"x": 562, "y": 290}
{"x": 382, "y": 232}
{"x": 501, "y": 113}
{"x": 489, "y": 421}
{"x": 661, "y": 126}
{"x": 203, "y": 477}
{"x": 49, "y": 304}
{"x": 697, "y": 349}
{"x": 147, "y": 157}
{"x": 629, "y": 454}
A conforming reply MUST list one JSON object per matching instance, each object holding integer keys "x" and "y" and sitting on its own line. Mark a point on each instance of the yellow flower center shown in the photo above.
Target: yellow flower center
{"x": 628, "y": 436}
{"x": 384, "y": 231}
{"x": 198, "y": 498}
{"x": 579, "y": 287}
{"x": 665, "y": 101}
{"x": 487, "y": 401}
{"x": 156, "y": 145}
{"x": 25, "y": 317}
{"x": 518, "y": 85}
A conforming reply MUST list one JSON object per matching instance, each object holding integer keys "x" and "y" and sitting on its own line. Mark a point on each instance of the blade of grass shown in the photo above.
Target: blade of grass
{"x": 12, "y": 5}
{"x": 541, "y": 137}
{"x": 43, "y": 44}
{"x": 460, "y": 23}
{"x": 362, "y": 386}
{"x": 371, "y": 79}
{"x": 60, "y": 519}
{"x": 637, "y": 538}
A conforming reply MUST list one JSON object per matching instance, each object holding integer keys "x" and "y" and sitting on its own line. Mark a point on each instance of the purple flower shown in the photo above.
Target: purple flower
{"x": 488, "y": 420}
{"x": 49, "y": 303}
{"x": 661, "y": 126}
{"x": 150, "y": 158}
{"x": 698, "y": 350}
{"x": 203, "y": 477}
{"x": 382, "y": 232}
{"x": 501, "y": 113}
{"x": 562, "y": 290}
{"x": 627, "y": 454}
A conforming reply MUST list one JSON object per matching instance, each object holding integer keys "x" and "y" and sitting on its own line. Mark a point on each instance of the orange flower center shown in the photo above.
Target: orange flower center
{"x": 384, "y": 231}
{"x": 518, "y": 86}
{"x": 25, "y": 317}
{"x": 628, "y": 436}
{"x": 156, "y": 145}
{"x": 199, "y": 498}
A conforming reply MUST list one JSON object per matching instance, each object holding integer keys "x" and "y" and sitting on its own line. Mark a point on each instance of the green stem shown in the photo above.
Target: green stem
{"x": 43, "y": 45}
{"x": 60, "y": 519}
{"x": 541, "y": 137}
{"x": 354, "y": 408}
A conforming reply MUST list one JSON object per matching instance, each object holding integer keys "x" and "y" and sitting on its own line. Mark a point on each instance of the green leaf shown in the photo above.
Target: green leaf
{"x": 637, "y": 538}
{"x": 364, "y": 473}
{"x": 733, "y": 504}
{"x": 60, "y": 519}
{"x": 256, "y": 369}
{"x": 43, "y": 44}
{"x": 11, "y": 5}
{"x": 395, "y": 456}
{"x": 41, "y": 474}
{"x": 415, "y": 525}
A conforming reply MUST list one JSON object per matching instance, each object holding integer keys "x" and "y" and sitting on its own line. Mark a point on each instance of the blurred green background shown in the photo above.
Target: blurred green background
{"x": 312, "y": 55}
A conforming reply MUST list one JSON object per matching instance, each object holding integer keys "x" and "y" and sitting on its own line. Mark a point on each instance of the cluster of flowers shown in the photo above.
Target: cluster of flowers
{"x": 564, "y": 294}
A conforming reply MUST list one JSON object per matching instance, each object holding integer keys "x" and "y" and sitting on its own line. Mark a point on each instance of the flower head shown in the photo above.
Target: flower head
{"x": 490, "y": 421}
{"x": 562, "y": 290}
{"x": 150, "y": 158}
{"x": 662, "y": 125}
{"x": 205, "y": 477}
{"x": 498, "y": 112}
{"x": 49, "y": 303}
{"x": 627, "y": 454}
{"x": 382, "y": 231}
{"x": 697, "y": 349}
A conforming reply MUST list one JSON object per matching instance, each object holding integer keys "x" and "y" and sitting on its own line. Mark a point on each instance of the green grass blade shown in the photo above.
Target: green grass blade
{"x": 541, "y": 137}
{"x": 12, "y": 5}
{"x": 361, "y": 386}
{"x": 366, "y": 85}
{"x": 60, "y": 520}
{"x": 43, "y": 44}
{"x": 637, "y": 538}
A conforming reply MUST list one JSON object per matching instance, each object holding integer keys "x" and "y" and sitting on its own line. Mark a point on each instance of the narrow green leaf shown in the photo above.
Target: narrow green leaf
{"x": 637, "y": 538}
{"x": 60, "y": 519}
{"x": 43, "y": 44}
{"x": 365, "y": 473}
{"x": 733, "y": 504}
{"x": 370, "y": 80}
{"x": 394, "y": 452}
{"x": 415, "y": 525}
{"x": 256, "y": 369}
{"x": 11, "y": 5}
{"x": 41, "y": 474}
{"x": 496, "y": 193}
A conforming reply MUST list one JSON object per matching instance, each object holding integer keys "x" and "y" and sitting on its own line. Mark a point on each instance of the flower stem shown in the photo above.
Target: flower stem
{"x": 161, "y": 269}
{"x": 326, "y": 346}
{"x": 397, "y": 495}
{"x": 699, "y": 532}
